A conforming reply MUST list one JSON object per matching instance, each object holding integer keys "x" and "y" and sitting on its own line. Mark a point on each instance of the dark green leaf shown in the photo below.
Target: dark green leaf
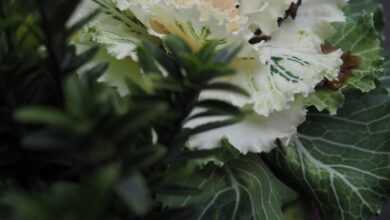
{"x": 177, "y": 46}
{"x": 218, "y": 105}
{"x": 135, "y": 193}
{"x": 342, "y": 161}
{"x": 44, "y": 115}
{"x": 243, "y": 188}
{"x": 211, "y": 126}
{"x": 227, "y": 54}
{"x": 226, "y": 87}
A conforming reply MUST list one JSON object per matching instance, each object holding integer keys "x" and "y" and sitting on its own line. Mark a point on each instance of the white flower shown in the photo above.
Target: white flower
{"x": 255, "y": 133}
{"x": 281, "y": 60}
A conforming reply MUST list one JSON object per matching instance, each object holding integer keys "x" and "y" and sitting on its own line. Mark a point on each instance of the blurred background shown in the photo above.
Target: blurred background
{"x": 386, "y": 3}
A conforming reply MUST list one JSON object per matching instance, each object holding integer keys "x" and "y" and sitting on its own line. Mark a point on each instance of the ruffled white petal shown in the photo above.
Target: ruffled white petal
{"x": 290, "y": 64}
{"x": 264, "y": 14}
{"x": 255, "y": 133}
{"x": 273, "y": 86}
{"x": 274, "y": 72}
{"x": 221, "y": 18}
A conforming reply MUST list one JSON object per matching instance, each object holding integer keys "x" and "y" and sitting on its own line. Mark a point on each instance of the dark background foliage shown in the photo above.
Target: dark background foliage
{"x": 71, "y": 148}
{"x": 386, "y": 4}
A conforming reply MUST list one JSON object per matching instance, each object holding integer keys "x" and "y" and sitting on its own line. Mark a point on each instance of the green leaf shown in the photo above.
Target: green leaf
{"x": 147, "y": 61}
{"x": 135, "y": 193}
{"x": 126, "y": 18}
{"x": 226, "y": 87}
{"x": 88, "y": 200}
{"x": 242, "y": 189}
{"x": 218, "y": 156}
{"x": 208, "y": 50}
{"x": 218, "y": 105}
{"x": 48, "y": 140}
{"x": 44, "y": 115}
{"x": 326, "y": 100}
{"x": 121, "y": 71}
{"x": 177, "y": 46}
{"x": 75, "y": 97}
{"x": 211, "y": 126}
{"x": 357, "y": 7}
{"x": 227, "y": 54}
{"x": 343, "y": 160}
{"x": 385, "y": 79}
{"x": 361, "y": 35}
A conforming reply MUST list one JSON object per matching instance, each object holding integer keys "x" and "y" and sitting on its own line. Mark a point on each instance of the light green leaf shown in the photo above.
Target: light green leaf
{"x": 357, "y": 7}
{"x": 343, "y": 161}
{"x": 120, "y": 71}
{"x": 361, "y": 35}
{"x": 326, "y": 100}
{"x": 242, "y": 189}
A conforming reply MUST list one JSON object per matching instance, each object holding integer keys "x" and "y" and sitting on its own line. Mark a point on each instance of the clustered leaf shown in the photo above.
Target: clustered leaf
{"x": 362, "y": 37}
{"x": 342, "y": 161}
{"x": 243, "y": 188}
{"x": 72, "y": 147}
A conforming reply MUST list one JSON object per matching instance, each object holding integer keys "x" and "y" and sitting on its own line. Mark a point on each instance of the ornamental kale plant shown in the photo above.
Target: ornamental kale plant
{"x": 193, "y": 109}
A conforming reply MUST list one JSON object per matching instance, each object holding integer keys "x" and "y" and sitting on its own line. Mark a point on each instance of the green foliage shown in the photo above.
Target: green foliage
{"x": 342, "y": 161}
{"x": 361, "y": 36}
{"x": 326, "y": 100}
{"x": 35, "y": 59}
{"x": 87, "y": 200}
{"x": 242, "y": 188}
{"x": 73, "y": 148}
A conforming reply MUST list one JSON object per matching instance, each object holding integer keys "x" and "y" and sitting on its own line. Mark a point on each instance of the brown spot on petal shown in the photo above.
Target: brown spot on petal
{"x": 292, "y": 12}
{"x": 327, "y": 48}
{"x": 259, "y": 39}
{"x": 350, "y": 63}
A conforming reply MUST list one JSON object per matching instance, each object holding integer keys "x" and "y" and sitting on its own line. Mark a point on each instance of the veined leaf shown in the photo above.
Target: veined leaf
{"x": 243, "y": 188}
{"x": 326, "y": 100}
{"x": 385, "y": 79}
{"x": 361, "y": 35}
{"x": 343, "y": 160}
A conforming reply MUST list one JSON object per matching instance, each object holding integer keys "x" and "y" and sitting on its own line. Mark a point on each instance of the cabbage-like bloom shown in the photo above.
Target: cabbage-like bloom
{"x": 281, "y": 63}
